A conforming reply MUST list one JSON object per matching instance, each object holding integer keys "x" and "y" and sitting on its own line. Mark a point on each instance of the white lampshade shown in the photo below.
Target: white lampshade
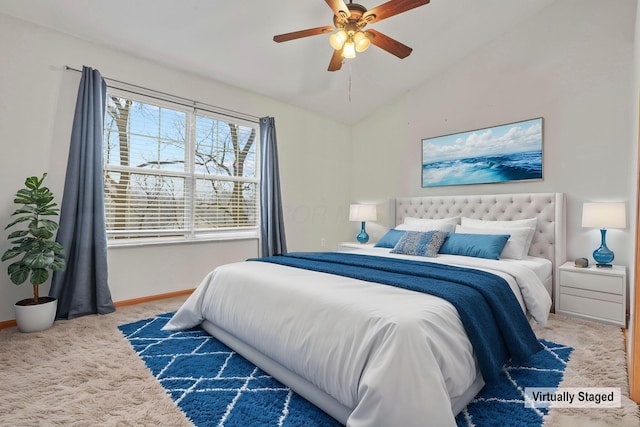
{"x": 362, "y": 41}
{"x": 349, "y": 48}
{"x": 604, "y": 215}
{"x": 337, "y": 39}
{"x": 359, "y": 212}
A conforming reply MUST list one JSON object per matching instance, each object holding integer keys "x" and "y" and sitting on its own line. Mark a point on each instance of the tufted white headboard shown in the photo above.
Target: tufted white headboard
{"x": 548, "y": 241}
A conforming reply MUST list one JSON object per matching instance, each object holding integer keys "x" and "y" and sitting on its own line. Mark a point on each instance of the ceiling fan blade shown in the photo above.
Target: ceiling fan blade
{"x": 390, "y": 8}
{"x": 339, "y": 8}
{"x": 304, "y": 33}
{"x": 336, "y": 61}
{"x": 392, "y": 46}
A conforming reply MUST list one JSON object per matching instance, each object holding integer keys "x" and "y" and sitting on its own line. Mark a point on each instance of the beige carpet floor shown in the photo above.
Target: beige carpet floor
{"x": 598, "y": 360}
{"x": 83, "y": 372}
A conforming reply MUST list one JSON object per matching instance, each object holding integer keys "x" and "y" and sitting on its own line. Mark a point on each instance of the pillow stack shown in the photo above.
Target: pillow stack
{"x": 473, "y": 237}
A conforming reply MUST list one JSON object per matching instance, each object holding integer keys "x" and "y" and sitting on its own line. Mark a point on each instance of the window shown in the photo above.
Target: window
{"x": 173, "y": 173}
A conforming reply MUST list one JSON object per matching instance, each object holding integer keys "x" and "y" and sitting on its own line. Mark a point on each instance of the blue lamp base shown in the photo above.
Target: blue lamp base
{"x": 362, "y": 237}
{"x": 603, "y": 255}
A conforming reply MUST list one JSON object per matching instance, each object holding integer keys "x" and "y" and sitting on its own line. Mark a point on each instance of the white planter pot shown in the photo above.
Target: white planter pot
{"x": 34, "y": 318}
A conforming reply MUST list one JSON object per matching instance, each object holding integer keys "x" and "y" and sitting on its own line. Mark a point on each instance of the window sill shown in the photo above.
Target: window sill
{"x": 128, "y": 243}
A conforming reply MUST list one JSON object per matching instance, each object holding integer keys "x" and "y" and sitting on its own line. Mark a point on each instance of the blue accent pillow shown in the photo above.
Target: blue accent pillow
{"x": 389, "y": 240}
{"x": 420, "y": 243}
{"x": 475, "y": 245}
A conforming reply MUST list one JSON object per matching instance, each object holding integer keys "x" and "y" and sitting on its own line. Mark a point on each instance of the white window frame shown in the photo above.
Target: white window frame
{"x": 189, "y": 234}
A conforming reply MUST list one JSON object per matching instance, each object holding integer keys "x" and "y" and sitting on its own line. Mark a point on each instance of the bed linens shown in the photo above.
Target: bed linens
{"x": 525, "y": 277}
{"x": 345, "y": 356}
{"x": 490, "y": 313}
{"x": 328, "y": 330}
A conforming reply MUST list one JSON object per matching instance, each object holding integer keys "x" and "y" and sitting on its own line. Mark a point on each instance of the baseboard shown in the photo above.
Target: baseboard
{"x": 11, "y": 323}
{"x": 152, "y": 298}
{"x": 8, "y": 324}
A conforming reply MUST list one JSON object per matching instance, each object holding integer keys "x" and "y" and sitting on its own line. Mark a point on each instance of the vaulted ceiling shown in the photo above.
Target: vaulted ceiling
{"x": 232, "y": 42}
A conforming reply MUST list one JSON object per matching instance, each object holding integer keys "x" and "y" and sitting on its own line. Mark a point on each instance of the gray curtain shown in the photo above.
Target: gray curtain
{"x": 82, "y": 288}
{"x": 273, "y": 241}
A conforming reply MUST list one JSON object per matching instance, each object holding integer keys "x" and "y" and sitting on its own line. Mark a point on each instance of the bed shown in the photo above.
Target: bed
{"x": 369, "y": 354}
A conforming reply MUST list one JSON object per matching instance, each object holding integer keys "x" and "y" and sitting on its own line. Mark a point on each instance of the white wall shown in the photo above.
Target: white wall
{"x": 571, "y": 64}
{"x": 37, "y": 100}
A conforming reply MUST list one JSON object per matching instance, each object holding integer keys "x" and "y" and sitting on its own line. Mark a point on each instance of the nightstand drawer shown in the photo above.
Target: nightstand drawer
{"x": 605, "y": 310}
{"x": 584, "y": 293}
{"x": 593, "y": 282}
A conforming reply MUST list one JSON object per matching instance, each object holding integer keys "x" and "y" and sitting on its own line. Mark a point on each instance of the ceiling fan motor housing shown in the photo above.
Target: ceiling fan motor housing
{"x": 354, "y": 21}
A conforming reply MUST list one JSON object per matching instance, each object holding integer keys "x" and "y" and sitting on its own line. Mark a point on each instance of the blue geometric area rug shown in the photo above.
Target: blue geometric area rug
{"x": 501, "y": 402}
{"x": 214, "y": 386}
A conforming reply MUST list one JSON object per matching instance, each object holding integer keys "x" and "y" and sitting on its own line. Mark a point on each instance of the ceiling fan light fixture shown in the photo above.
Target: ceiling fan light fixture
{"x": 361, "y": 41}
{"x": 349, "y": 49}
{"x": 338, "y": 39}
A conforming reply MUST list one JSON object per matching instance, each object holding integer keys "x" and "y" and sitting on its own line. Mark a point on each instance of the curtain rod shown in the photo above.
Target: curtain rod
{"x": 191, "y": 103}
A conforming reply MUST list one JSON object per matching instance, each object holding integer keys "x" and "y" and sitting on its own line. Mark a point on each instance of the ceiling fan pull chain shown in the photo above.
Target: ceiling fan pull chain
{"x": 349, "y": 81}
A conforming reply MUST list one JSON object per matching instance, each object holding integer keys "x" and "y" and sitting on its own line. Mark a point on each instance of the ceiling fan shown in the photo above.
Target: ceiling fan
{"x": 349, "y": 21}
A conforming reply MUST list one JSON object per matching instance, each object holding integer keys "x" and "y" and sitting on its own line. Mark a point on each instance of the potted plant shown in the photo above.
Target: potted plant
{"x": 40, "y": 252}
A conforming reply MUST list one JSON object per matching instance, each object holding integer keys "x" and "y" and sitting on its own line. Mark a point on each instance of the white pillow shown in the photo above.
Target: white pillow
{"x": 449, "y": 228}
{"x": 479, "y": 223}
{"x": 517, "y": 246}
{"x": 425, "y": 224}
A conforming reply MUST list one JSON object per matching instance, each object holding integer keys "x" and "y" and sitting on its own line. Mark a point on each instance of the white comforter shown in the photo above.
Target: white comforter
{"x": 396, "y": 357}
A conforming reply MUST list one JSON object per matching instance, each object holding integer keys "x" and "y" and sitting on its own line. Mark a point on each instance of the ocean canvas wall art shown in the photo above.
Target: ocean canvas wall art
{"x": 510, "y": 152}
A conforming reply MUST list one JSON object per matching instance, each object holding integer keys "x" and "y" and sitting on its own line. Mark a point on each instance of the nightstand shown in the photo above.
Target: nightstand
{"x": 353, "y": 246}
{"x": 593, "y": 293}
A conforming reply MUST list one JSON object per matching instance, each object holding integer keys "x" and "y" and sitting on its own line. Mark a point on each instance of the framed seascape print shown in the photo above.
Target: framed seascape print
{"x": 504, "y": 153}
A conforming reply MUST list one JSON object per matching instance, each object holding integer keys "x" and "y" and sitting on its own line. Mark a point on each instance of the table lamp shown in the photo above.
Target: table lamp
{"x": 604, "y": 215}
{"x": 362, "y": 213}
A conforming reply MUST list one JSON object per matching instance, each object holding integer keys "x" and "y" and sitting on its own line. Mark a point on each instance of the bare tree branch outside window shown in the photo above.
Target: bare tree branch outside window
{"x": 170, "y": 172}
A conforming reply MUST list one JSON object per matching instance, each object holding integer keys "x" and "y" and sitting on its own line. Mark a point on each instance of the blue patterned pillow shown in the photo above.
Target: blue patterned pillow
{"x": 420, "y": 243}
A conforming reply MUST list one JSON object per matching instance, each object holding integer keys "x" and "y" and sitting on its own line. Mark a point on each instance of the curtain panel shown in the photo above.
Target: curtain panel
{"x": 82, "y": 288}
{"x": 272, "y": 236}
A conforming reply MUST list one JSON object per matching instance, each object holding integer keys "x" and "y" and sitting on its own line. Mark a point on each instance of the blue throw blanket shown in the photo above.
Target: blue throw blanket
{"x": 490, "y": 312}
